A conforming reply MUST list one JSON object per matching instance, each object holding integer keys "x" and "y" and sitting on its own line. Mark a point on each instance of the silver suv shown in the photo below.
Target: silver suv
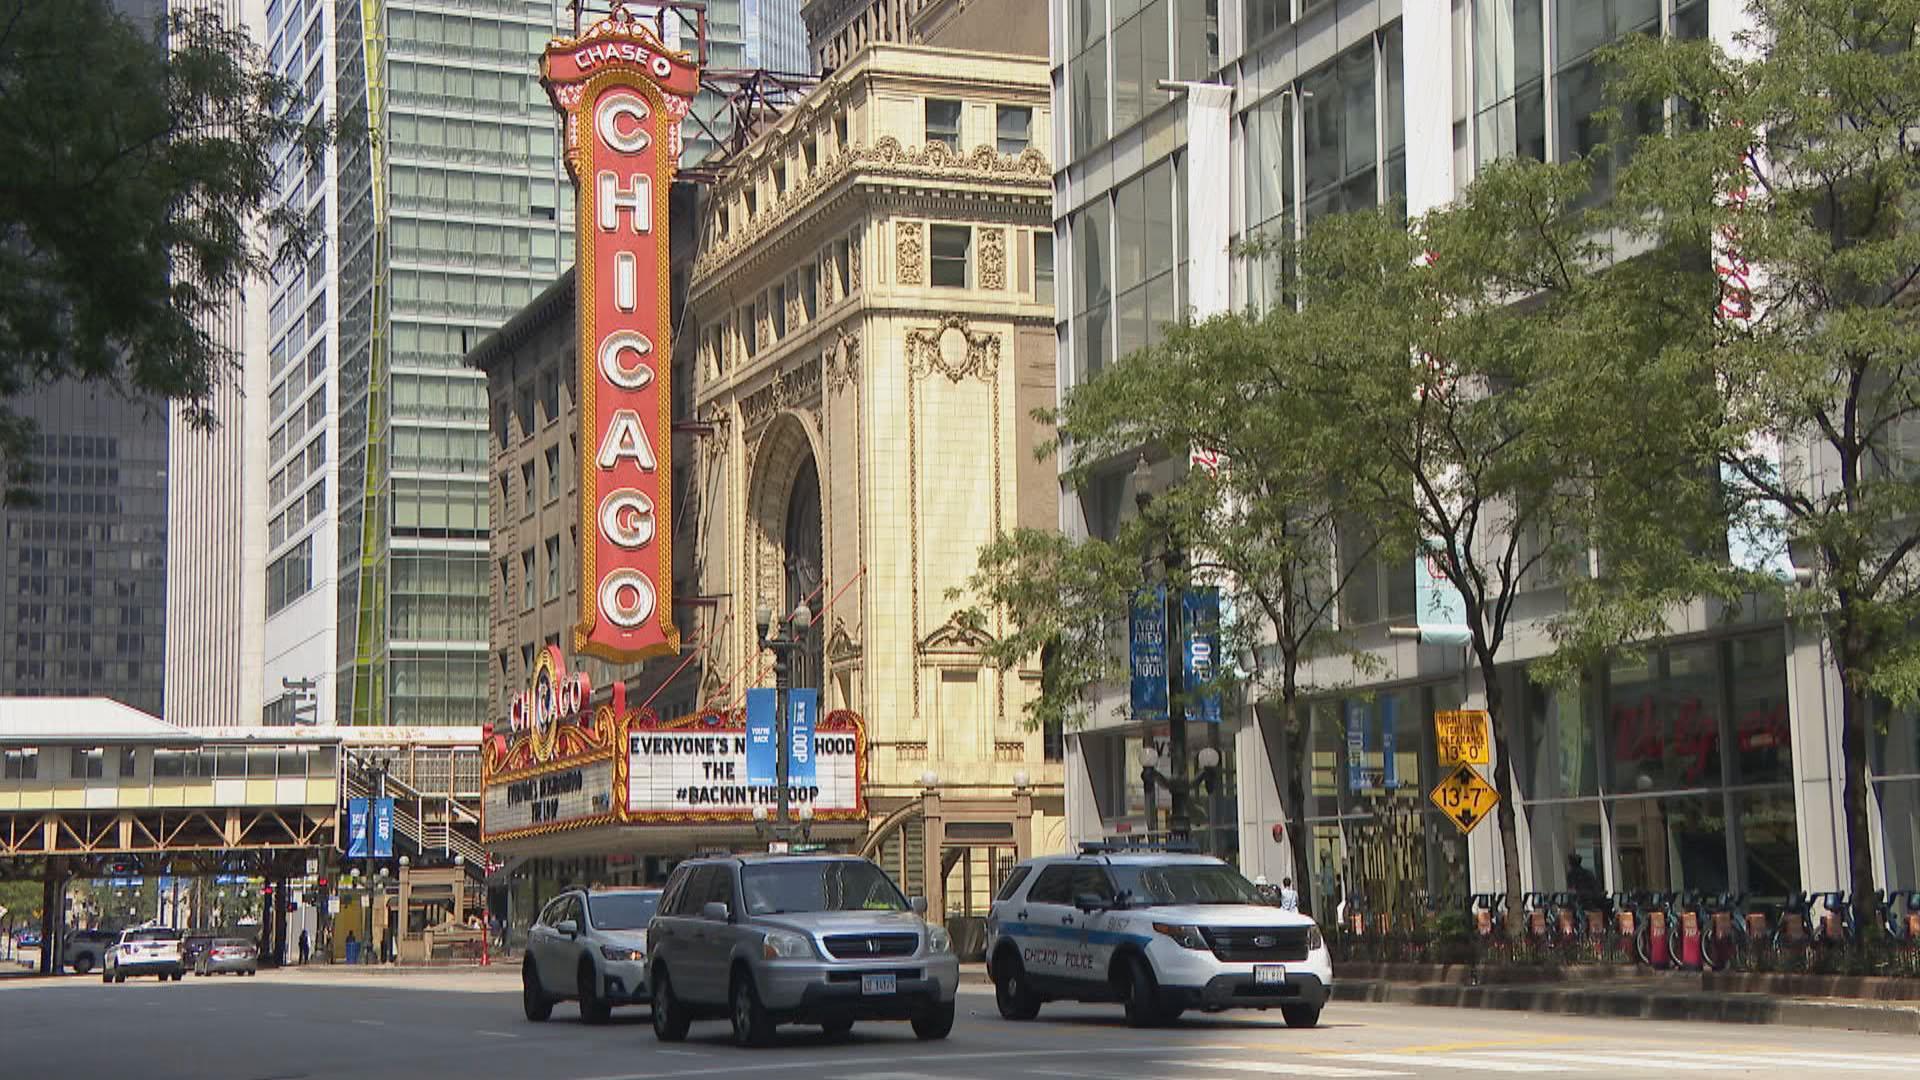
{"x": 778, "y": 939}
{"x": 590, "y": 945}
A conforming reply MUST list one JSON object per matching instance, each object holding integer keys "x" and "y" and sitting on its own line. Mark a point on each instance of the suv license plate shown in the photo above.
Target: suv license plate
{"x": 878, "y": 984}
{"x": 1269, "y": 974}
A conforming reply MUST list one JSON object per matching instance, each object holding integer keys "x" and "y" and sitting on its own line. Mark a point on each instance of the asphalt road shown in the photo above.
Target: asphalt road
{"x": 331, "y": 1023}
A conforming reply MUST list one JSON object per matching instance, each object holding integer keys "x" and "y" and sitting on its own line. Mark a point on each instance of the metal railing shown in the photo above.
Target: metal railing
{"x": 410, "y": 813}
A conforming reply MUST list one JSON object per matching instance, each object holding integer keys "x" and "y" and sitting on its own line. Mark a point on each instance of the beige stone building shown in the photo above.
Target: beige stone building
{"x": 873, "y": 300}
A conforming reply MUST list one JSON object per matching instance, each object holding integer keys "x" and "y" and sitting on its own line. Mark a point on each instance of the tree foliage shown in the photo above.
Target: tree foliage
{"x": 1794, "y": 170}
{"x": 141, "y": 193}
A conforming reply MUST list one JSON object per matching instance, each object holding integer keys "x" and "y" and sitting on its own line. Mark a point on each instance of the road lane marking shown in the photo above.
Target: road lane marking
{"x": 1282, "y": 1068}
{"x": 991, "y": 1055}
{"x": 495, "y": 1034}
{"x": 1453, "y": 1061}
{"x": 1649, "y": 1061}
{"x": 371, "y": 1023}
{"x": 1444, "y": 1048}
{"x": 681, "y": 1053}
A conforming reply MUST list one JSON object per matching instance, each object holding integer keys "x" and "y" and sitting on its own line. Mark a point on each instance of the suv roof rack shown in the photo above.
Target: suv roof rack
{"x": 1109, "y": 847}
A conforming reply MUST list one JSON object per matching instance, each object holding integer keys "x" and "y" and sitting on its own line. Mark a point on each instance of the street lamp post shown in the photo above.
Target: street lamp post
{"x": 1179, "y": 785}
{"x": 791, "y": 639}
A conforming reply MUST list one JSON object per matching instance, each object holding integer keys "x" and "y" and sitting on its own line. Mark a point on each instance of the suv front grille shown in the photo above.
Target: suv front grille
{"x": 871, "y": 946}
{"x": 1257, "y": 944}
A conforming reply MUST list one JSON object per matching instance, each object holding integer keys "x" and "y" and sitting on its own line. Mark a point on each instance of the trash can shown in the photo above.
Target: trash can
{"x": 353, "y": 952}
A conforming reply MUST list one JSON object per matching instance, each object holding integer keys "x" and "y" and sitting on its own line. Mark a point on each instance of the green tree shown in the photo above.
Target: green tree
{"x": 22, "y": 900}
{"x": 1465, "y": 357}
{"x": 1779, "y": 205}
{"x": 141, "y": 193}
{"x": 1260, "y": 528}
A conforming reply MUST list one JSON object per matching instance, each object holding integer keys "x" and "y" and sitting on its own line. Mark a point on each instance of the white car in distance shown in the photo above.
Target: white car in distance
{"x": 144, "y": 950}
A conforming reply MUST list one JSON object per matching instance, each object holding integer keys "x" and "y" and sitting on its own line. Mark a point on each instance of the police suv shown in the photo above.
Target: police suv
{"x": 1160, "y": 931}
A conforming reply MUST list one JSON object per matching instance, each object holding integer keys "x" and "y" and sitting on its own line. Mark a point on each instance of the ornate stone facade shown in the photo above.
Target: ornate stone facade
{"x": 911, "y": 402}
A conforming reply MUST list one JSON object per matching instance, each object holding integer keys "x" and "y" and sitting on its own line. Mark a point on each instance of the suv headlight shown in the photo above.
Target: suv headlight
{"x": 938, "y": 940}
{"x": 1314, "y": 940}
{"x": 614, "y": 952}
{"x": 1187, "y": 937}
{"x": 784, "y": 945}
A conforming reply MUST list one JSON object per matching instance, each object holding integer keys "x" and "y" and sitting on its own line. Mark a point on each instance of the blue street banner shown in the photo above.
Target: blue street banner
{"x": 1147, "y": 653}
{"x": 803, "y": 706}
{"x": 383, "y": 828}
{"x": 356, "y": 828}
{"x": 1200, "y": 619}
{"x": 762, "y": 749}
{"x": 1356, "y": 742}
{"x": 1389, "y": 715}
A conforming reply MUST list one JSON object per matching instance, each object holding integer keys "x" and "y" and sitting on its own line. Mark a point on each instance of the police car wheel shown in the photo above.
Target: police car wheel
{"x": 1011, "y": 993}
{"x": 1301, "y": 1016}
{"x": 837, "y": 1029}
{"x": 1142, "y": 996}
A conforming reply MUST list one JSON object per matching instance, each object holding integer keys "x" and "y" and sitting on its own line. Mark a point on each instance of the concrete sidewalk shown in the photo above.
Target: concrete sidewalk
{"x": 1659, "y": 998}
{"x": 1651, "y": 999}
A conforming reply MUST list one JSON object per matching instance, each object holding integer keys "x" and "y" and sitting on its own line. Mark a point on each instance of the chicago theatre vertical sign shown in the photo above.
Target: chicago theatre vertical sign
{"x": 623, "y": 95}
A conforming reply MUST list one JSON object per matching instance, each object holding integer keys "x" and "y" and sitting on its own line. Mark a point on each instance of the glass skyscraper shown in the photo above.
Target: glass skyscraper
{"x": 446, "y": 216}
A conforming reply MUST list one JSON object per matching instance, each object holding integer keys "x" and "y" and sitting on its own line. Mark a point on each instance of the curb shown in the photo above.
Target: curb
{"x": 1729, "y": 1008}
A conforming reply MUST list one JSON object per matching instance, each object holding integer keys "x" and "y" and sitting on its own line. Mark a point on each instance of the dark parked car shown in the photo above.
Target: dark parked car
{"x": 86, "y": 950}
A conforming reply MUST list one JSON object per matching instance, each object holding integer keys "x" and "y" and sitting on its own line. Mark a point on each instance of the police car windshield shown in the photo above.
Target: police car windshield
{"x": 818, "y": 885}
{"x": 1183, "y": 883}
{"x": 623, "y": 911}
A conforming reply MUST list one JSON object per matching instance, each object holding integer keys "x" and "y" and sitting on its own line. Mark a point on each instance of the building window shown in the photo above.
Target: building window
{"x": 129, "y": 762}
{"x": 1087, "y": 76}
{"x": 842, "y": 266}
{"x": 943, "y": 122}
{"x": 290, "y": 576}
{"x": 553, "y": 568}
{"x": 1091, "y": 233}
{"x": 550, "y": 396}
{"x": 22, "y": 764}
{"x": 840, "y": 131}
{"x": 1141, "y": 58}
{"x": 526, "y": 580}
{"x": 779, "y": 178}
{"x": 809, "y": 290}
{"x": 526, "y": 487}
{"x": 1266, "y": 16}
{"x": 811, "y": 154}
{"x": 88, "y": 764}
{"x": 950, "y": 247}
{"x": 1043, "y": 268}
{"x": 553, "y": 473}
{"x": 749, "y": 331}
{"x": 1013, "y": 128}
{"x": 777, "y": 308}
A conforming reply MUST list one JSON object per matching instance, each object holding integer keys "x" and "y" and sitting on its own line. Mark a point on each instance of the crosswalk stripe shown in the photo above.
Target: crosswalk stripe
{"x": 1451, "y": 1061}
{"x": 1840, "y": 1062}
{"x": 1578, "y": 1058}
{"x": 1282, "y": 1068}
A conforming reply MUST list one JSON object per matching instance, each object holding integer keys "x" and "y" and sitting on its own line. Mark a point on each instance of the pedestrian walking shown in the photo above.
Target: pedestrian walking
{"x": 306, "y": 948}
{"x": 1289, "y": 896}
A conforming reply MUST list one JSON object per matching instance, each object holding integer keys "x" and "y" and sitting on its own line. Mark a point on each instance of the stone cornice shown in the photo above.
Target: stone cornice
{"x": 1027, "y": 173}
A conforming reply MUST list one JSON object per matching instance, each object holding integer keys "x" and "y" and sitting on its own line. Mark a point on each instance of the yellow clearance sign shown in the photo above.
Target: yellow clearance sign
{"x": 1461, "y": 737}
{"x": 1465, "y": 798}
